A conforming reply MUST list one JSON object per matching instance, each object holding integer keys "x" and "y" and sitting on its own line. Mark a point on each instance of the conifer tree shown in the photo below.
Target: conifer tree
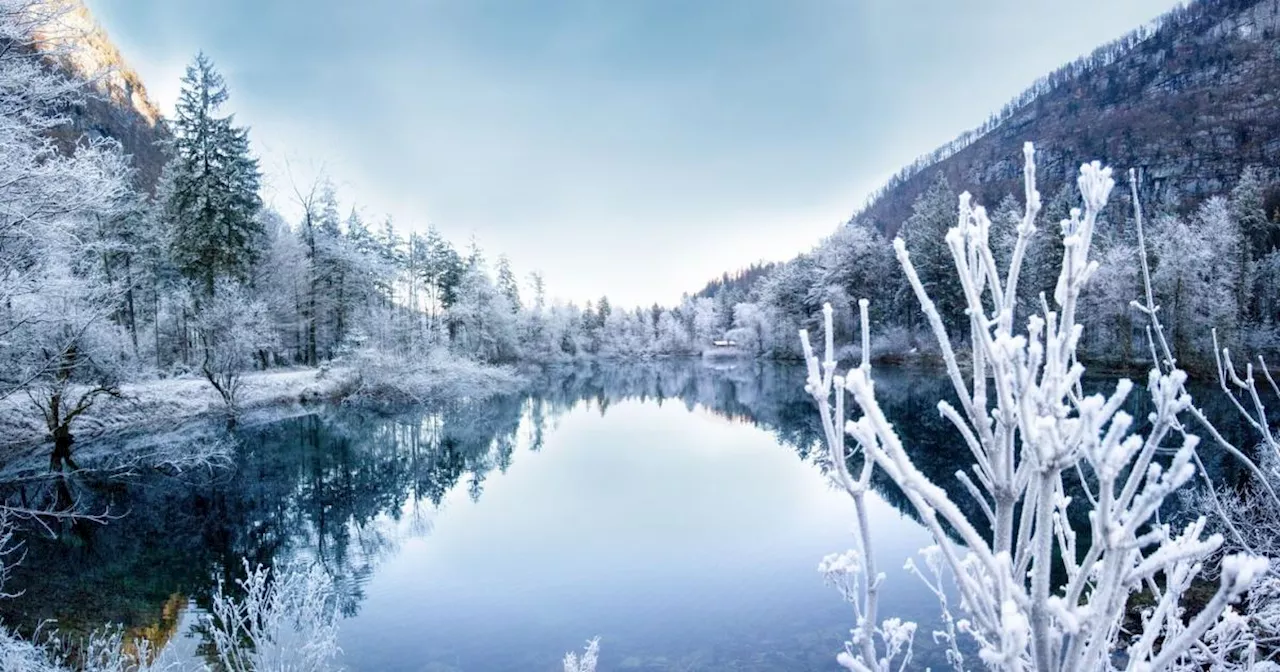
{"x": 1250, "y": 212}
{"x": 925, "y": 234}
{"x": 507, "y": 283}
{"x": 213, "y": 203}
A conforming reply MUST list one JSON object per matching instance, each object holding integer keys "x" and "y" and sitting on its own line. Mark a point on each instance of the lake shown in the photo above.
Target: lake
{"x": 674, "y": 509}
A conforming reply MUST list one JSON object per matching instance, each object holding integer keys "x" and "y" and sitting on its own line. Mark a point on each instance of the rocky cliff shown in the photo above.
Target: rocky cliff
{"x": 115, "y": 102}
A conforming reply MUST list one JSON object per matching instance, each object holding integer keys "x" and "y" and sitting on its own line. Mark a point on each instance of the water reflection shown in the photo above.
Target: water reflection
{"x": 643, "y": 503}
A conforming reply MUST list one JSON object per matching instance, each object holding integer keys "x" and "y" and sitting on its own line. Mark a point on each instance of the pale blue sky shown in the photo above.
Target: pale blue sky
{"x": 630, "y": 148}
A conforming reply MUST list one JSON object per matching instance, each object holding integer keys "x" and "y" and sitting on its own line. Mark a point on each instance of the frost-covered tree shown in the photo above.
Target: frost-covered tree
{"x": 442, "y": 271}
{"x": 508, "y": 285}
{"x": 328, "y": 307}
{"x": 628, "y": 333}
{"x": 564, "y": 335}
{"x": 370, "y": 276}
{"x": 482, "y": 323}
{"x": 1196, "y": 274}
{"x": 672, "y": 337}
{"x": 784, "y": 295}
{"x": 1037, "y": 592}
{"x": 706, "y": 322}
{"x": 854, "y": 262}
{"x": 1108, "y": 318}
{"x": 233, "y": 329}
{"x": 924, "y": 231}
{"x": 68, "y": 353}
{"x": 213, "y": 203}
{"x": 57, "y": 339}
{"x": 282, "y": 283}
{"x": 750, "y": 328}
{"x": 1248, "y": 208}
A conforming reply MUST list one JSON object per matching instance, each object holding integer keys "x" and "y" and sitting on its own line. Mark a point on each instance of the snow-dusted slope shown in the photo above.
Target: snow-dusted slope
{"x": 117, "y": 104}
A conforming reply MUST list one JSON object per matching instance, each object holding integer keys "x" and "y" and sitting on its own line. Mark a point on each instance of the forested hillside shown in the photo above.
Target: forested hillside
{"x": 1188, "y": 102}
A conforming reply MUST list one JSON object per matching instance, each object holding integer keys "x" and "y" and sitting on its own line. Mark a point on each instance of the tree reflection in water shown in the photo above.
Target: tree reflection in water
{"x": 344, "y": 487}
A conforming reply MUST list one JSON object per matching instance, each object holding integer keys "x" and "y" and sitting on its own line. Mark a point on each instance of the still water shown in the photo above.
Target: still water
{"x": 674, "y": 509}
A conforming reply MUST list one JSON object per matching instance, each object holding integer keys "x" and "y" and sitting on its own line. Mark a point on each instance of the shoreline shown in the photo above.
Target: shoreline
{"x": 167, "y": 404}
{"x": 170, "y": 405}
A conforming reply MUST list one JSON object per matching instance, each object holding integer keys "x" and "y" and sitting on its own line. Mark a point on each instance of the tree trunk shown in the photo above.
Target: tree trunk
{"x": 155, "y": 305}
{"x": 341, "y": 328}
{"x": 131, "y": 316}
{"x": 183, "y": 342}
{"x": 62, "y": 440}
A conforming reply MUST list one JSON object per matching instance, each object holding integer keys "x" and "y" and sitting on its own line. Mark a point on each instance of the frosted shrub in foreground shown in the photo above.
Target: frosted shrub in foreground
{"x": 1034, "y": 592}
{"x": 283, "y": 623}
{"x": 587, "y": 663}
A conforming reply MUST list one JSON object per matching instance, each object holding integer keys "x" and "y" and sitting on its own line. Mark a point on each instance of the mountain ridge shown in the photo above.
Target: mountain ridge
{"x": 1184, "y": 99}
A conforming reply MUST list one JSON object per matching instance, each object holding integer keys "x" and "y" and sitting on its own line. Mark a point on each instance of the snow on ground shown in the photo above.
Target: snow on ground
{"x": 171, "y": 406}
{"x": 166, "y": 404}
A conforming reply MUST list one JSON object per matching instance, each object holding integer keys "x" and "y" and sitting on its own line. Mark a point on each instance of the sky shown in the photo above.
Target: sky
{"x": 628, "y": 148}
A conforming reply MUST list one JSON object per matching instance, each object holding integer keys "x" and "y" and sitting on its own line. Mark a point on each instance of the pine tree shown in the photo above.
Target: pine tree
{"x": 1249, "y": 211}
{"x": 331, "y": 269}
{"x": 441, "y": 271}
{"x": 1044, "y": 251}
{"x": 603, "y": 309}
{"x": 507, "y": 283}
{"x": 214, "y": 200}
{"x": 539, "y": 285}
{"x": 925, "y": 232}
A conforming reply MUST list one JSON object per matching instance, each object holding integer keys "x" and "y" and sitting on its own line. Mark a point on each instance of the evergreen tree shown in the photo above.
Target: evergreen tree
{"x": 925, "y": 233}
{"x": 603, "y": 309}
{"x": 213, "y": 201}
{"x": 1248, "y": 210}
{"x": 507, "y": 284}
{"x": 442, "y": 271}
{"x": 539, "y": 285}
{"x": 1044, "y": 251}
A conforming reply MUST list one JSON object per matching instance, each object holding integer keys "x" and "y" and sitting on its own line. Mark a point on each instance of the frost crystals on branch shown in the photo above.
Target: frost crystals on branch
{"x": 286, "y": 621}
{"x": 587, "y": 663}
{"x": 1037, "y": 592}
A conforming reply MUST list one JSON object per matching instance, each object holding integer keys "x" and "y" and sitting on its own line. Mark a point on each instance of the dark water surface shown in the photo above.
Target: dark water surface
{"x": 673, "y": 509}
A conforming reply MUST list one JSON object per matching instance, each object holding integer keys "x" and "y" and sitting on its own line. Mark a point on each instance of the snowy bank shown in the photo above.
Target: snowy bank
{"x": 165, "y": 404}
{"x": 435, "y": 376}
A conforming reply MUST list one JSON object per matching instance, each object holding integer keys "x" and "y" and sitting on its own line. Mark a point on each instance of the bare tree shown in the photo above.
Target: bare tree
{"x": 232, "y": 328}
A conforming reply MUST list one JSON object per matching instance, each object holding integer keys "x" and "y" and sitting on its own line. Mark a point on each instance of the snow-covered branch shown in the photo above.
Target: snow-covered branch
{"x": 1032, "y": 432}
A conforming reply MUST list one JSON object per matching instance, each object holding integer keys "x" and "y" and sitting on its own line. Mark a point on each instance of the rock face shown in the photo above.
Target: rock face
{"x": 115, "y": 104}
{"x": 1189, "y": 101}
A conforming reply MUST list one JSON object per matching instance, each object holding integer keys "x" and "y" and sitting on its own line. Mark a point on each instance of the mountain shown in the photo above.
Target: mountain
{"x": 115, "y": 104}
{"x": 1189, "y": 100}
